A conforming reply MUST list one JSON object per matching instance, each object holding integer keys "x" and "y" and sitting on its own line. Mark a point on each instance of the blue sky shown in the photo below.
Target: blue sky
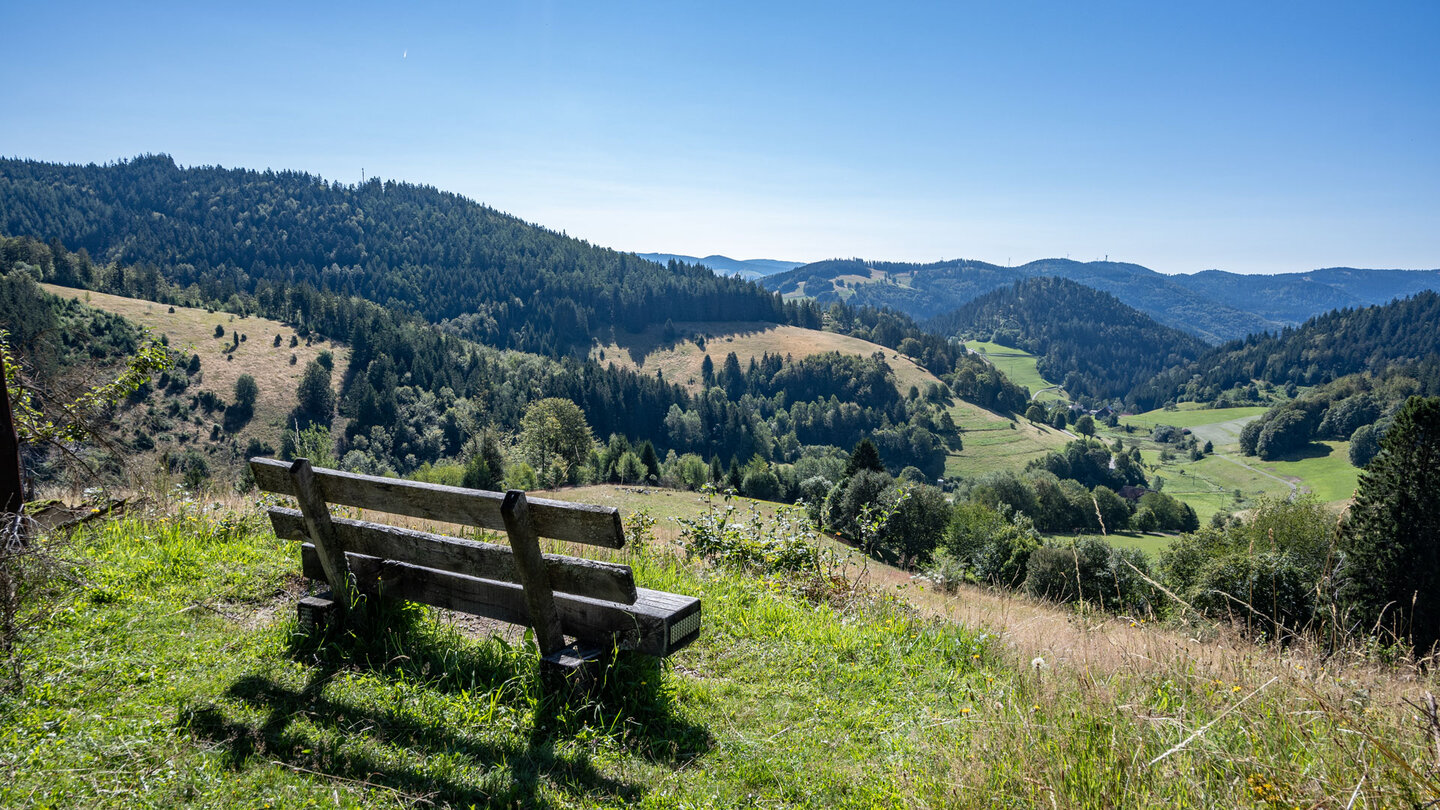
{"x": 1251, "y": 137}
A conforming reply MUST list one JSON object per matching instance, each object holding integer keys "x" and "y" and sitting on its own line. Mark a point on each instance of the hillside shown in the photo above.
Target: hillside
{"x": 988, "y": 440}
{"x": 928, "y": 290}
{"x": 1325, "y": 348}
{"x": 1095, "y": 346}
{"x": 1293, "y": 298}
{"x": 493, "y": 277}
{"x": 1020, "y": 366}
{"x": 192, "y": 332}
{"x": 177, "y": 675}
{"x": 681, "y": 361}
{"x": 1214, "y": 306}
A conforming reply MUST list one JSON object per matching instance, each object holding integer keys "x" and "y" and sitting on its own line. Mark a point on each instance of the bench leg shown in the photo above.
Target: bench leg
{"x": 577, "y": 669}
{"x": 316, "y": 612}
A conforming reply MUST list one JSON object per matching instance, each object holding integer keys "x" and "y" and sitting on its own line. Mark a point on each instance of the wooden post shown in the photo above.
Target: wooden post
{"x": 12, "y": 486}
{"x": 322, "y": 534}
{"x": 530, "y": 565}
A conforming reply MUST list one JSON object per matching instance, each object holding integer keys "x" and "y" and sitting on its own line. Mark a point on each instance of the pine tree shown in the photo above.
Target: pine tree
{"x": 1391, "y": 536}
{"x": 707, "y": 371}
{"x": 865, "y": 457}
{"x": 649, "y": 459}
{"x": 315, "y": 400}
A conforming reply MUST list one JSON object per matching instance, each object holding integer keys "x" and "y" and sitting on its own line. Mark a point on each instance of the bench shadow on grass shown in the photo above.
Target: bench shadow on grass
{"x": 365, "y": 741}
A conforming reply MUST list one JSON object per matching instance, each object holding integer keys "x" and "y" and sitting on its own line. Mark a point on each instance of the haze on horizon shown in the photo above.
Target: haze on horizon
{"x": 1240, "y": 137}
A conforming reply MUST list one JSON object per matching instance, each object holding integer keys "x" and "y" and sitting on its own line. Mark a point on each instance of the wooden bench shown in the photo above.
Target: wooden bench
{"x": 596, "y": 603}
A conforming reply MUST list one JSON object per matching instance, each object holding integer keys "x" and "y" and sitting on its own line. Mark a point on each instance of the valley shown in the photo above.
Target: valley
{"x": 912, "y": 544}
{"x": 687, "y": 406}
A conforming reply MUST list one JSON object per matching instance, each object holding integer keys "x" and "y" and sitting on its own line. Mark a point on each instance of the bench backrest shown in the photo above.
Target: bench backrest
{"x": 559, "y": 520}
{"x": 449, "y": 572}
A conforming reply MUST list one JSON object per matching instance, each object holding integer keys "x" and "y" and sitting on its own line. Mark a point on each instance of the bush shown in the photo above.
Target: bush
{"x": 1002, "y": 559}
{"x": 1272, "y": 590}
{"x": 761, "y": 484}
{"x": 971, "y": 526}
{"x": 1268, "y": 570}
{"x": 1093, "y": 571}
{"x": 813, "y": 491}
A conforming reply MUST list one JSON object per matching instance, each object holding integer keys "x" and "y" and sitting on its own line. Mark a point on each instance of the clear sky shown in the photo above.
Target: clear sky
{"x": 1250, "y": 136}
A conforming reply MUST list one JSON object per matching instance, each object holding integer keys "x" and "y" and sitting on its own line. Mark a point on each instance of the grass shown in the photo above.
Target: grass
{"x": 1323, "y": 468}
{"x": 1151, "y": 544}
{"x": 1189, "y": 414}
{"x": 994, "y": 442}
{"x": 1019, "y": 366}
{"x": 169, "y": 671}
{"x": 192, "y": 331}
{"x": 680, "y": 361}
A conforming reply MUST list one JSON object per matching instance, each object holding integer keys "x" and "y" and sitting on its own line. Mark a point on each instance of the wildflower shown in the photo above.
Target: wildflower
{"x": 1037, "y": 663}
{"x": 965, "y": 710}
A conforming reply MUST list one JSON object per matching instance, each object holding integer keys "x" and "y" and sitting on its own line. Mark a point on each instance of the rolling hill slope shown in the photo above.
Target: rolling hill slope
{"x": 1347, "y": 341}
{"x": 1095, "y": 346}
{"x": 990, "y": 441}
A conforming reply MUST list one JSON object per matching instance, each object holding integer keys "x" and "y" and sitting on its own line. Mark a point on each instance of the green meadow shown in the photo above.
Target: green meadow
{"x": 1019, "y": 366}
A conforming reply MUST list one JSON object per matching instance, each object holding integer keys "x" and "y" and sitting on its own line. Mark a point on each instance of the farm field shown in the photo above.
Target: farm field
{"x": 1019, "y": 366}
{"x": 994, "y": 442}
{"x": 1221, "y": 426}
{"x": 1208, "y": 485}
{"x": 1323, "y": 468}
{"x": 1151, "y": 544}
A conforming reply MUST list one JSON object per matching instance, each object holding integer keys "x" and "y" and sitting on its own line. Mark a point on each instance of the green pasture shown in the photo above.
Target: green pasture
{"x": 1019, "y": 366}
{"x": 1321, "y": 467}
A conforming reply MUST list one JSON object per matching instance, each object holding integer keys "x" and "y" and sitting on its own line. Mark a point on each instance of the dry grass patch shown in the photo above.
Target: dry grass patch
{"x": 680, "y": 362}
{"x": 192, "y": 331}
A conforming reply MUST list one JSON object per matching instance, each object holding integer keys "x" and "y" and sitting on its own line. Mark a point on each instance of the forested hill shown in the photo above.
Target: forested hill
{"x": 1213, "y": 305}
{"x": 495, "y": 278}
{"x": 1099, "y": 347}
{"x": 1346, "y": 341}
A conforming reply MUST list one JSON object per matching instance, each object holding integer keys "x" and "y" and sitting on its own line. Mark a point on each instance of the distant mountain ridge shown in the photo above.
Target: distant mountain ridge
{"x": 748, "y": 269}
{"x": 1214, "y": 305}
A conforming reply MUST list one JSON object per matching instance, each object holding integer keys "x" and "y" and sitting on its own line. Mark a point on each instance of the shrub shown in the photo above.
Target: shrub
{"x": 1272, "y": 590}
{"x": 761, "y": 484}
{"x": 1002, "y": 559}
{"x": 813, "y": 491}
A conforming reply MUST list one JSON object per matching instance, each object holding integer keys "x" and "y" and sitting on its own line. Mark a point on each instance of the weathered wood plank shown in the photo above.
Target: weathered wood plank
{"x": 560, "y": 520}
{"x": 598, "y": 580}
{"x": 322, "y": 534}
{"x": 539, "y": 598}
{"x": 658, "y": 623}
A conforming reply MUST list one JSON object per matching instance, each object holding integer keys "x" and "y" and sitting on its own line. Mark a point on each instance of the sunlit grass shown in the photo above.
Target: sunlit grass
{"x": 1019, "y": 366}
{"x": 169, "y": 673}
